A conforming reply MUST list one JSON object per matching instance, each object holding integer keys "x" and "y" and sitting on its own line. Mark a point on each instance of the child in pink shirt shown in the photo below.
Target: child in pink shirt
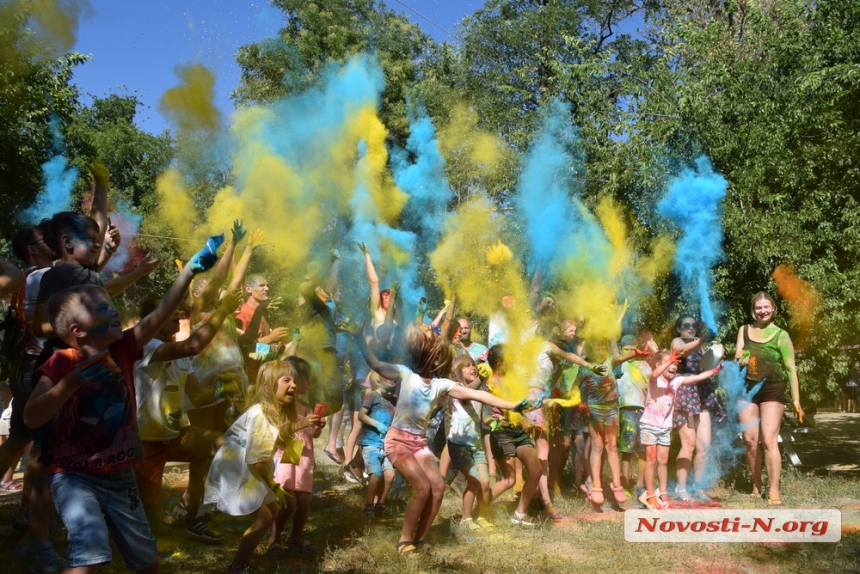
{"x": 655, "y": 426}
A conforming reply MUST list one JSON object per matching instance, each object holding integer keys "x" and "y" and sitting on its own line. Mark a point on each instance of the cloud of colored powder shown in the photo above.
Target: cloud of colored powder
{"x": 693, "y": 203}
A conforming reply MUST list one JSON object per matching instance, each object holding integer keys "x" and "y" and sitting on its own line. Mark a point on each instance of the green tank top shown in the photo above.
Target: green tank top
{"x": 765, "y": 359}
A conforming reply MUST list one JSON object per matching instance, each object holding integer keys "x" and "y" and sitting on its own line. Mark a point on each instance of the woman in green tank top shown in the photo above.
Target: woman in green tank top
{"x": 768, "y": 354}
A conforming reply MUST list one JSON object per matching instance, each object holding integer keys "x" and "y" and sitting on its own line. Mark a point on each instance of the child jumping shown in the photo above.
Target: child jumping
{"x": 421, "y": 391}
{"x": 241, "y": 478}
{"x": 655, "y": 425}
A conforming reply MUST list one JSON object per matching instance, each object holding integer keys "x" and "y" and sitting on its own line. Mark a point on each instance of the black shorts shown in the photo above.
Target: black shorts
{"x": 770, "y": 391}
{"x": 505, "y": 441}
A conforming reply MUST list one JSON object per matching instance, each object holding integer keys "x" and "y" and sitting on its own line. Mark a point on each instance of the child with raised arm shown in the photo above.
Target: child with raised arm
{"x": 421, "y": 391}
{"x": 297, "y": 477}
{"x": 241, "y": 479}
{"x": 655, "y": 426}
{"x": 89, "y": 387}
{"x": 375, "y": 415}
{"x": 162, "y": 379}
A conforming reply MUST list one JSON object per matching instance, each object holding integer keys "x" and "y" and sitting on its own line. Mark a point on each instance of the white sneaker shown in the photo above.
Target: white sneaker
{"x": 518, "y": 519}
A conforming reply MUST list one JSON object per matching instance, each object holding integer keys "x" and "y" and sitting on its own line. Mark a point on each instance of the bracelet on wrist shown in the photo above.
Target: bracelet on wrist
{"x": 109, "y": 250}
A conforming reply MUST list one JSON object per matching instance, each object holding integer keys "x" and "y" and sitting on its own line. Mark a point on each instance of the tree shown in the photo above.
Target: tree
{"x": 325, "y": 30}
{"x": 768, "y": 91}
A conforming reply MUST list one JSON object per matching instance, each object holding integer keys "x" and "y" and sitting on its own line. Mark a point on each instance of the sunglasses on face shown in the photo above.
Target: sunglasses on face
{"x": 688, "y": 325}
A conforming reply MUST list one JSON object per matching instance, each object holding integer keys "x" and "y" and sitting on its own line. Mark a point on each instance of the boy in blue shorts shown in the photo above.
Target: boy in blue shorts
{"x": 375, "y": 416}
{"x": 89, "y": 387}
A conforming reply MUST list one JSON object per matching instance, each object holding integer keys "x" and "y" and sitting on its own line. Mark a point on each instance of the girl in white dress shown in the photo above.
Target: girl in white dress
{"x": 240, "y": 480}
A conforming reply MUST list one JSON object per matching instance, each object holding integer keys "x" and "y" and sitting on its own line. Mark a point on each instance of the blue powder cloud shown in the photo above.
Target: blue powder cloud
{"x": 694, "y": 204}
{"x": 58, "y": 178}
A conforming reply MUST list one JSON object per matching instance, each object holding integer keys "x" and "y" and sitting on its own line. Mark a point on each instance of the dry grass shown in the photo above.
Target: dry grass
{"x": 347, "y": 542}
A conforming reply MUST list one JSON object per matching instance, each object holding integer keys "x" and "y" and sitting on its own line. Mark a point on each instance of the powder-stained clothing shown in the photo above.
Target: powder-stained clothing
{"x": 160, "y": 388}
{"x": 660, "y": 402}
{"x": 765, "y": 359}
{"x": 221, "y": 356}
{"x": 600, "y": 390}
{"x": 298, "y": 477}
{"x": 379, "y": 409}
{"x": 632, "y": 381}
{"x": 230, "y": 486}
{"x": 464, "y": 423}
{"x": 97, "y": 427}
{"x": 417, "y": 400}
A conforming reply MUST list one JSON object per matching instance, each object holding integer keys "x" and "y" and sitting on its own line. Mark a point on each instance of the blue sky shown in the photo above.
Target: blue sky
{"x": 135, "y": 45}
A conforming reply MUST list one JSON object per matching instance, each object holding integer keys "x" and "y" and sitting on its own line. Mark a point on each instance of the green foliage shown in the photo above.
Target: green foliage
{"x": 331, "y": 30}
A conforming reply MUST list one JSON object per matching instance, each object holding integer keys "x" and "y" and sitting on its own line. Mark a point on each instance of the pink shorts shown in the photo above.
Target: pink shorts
{"x": 401, "y": 443}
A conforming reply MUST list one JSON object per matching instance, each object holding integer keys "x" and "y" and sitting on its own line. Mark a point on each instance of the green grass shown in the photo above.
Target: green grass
{"x": 346, "y": 542}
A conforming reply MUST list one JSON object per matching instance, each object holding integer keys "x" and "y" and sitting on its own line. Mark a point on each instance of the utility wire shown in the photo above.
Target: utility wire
{"x": 411, "y": 9}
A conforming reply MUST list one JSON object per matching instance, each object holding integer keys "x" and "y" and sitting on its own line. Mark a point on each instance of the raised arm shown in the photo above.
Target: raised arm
{"x": 387, "y": 370}
{"x": 682, "y": 348}
{"x": 202, "y": 261}
{"x": 241, "y": 267}
{"x": 534, "y": 291}
{"x": 99, "y": 211}
{"x": 699, "y": 377}
{"x": 449, "y": 315}
{"x": 466, "y": 394}
{"x": 119, "y": 284}
{"x": 372, "y": 280}
{"x": 202, "y": 336}
{"x": 661, "y": 368}
{"x": 113, "y": 239}
{"x": 209, "y": 295}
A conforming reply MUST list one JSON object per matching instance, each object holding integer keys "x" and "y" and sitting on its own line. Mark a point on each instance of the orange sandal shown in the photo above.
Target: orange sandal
{"x": 618, "y": 493}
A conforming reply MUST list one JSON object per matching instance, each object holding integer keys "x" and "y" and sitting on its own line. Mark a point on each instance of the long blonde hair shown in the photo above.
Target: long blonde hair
{"x": 263, "y": 394}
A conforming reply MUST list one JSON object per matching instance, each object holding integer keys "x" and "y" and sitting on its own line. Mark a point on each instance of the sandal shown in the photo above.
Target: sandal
{"x": 406, "y": 547}
{"x": 597, "y": 495}
{"x": 664, "y": 502}
{"x": 552, "y": 513}
{"x": 12, "y": 486}
{"x": 333, "y": 456}
{"x": 682, "y": 495}
{"x": 774, "y": 501}
{"x": 644, "y": 500}
{"x": 618, "y": 493}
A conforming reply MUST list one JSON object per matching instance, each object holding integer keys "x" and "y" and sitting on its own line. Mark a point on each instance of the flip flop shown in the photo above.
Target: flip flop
{"x": 406, "y": 547}
{"x": 332, "y": 456}
{"x": 774, "y": 501}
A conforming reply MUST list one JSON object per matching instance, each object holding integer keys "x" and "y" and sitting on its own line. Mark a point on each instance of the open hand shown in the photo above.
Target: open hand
{"x": 362, "y": 246}
{"x": 257, "y": 239}
{"x": 239, "y": 232}
{"x": 230, "y": 301}
{"x": 207, "y": 257}
{"x": 100, "y": 172}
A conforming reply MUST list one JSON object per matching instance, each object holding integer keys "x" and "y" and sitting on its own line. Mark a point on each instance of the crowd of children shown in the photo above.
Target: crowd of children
{"x": 99, "y": 410}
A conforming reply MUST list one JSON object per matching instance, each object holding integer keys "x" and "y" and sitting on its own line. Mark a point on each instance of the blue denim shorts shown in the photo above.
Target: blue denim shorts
{"x": 95, "y": 507}
{"x": 375, "y": 461}
{"x": 465, "y": 455}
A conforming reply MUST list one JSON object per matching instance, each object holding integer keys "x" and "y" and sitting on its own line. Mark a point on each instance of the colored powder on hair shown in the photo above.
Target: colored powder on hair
{"x": 693, "y": 203}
